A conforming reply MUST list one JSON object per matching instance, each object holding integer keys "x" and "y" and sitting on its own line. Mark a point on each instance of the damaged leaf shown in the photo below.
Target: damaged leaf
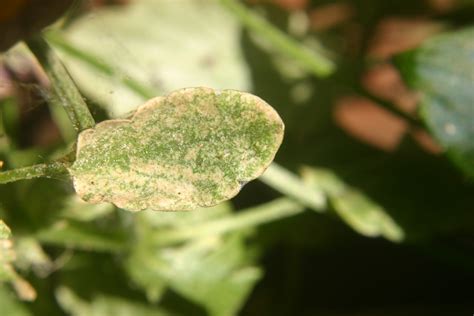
{"x": 195, "y": 147}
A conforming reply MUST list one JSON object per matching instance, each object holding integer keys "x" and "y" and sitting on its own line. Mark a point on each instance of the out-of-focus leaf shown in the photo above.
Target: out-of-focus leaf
{"x": 82, "y": 236}
{"x": 10, "y": 305}
{"x": 77, "y": 209}
{"x": 195, "y": 147}
{"x": 30, "y": 255}
{"x": 22, "y": 18}
{"x": 442, "y": 69}
{"x": 23, "y": 289}
{"x": 290, "y": 184}
{"x": 213, "y": 271}
{"x": 7, "y": 254}
{"x": 141, "y": 266}
{"x": 103, "y": 305}
{"x": 163, "y": 44}
{"x": 364, "y": 215}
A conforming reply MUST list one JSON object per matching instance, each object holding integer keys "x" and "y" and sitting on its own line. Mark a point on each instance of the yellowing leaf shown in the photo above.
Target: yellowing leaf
{"x": 195, "y": 147}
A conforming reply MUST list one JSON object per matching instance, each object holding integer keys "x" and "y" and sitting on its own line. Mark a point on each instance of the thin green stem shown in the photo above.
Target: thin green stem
{"x": 101, "y": 66}
{"x": 315, "y": 62}
{"x": 291, "y": 185}
{"x": 265, "y": 213}
{"x": 49, "y": 170}
{"x": 64, "y": 91}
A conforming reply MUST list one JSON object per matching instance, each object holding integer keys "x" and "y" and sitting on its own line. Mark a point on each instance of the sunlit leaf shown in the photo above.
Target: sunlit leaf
{"x": 195, "y": 147}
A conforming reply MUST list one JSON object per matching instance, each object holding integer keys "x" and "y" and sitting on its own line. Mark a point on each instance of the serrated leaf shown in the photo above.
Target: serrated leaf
{"x": 442, "y": 69}
{"x": 356, "y": 209}
{"x": 194, "y": 148}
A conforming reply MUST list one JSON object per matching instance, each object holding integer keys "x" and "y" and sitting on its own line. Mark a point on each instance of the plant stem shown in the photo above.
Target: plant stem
{"x": 290, "y": 184}
{"x": 64, "y": 91}
{"x": 49, "y": 170}
{"x": 265, "y": 213}
{"x": 99, "y": 65}
{"x": 317, "y": 63}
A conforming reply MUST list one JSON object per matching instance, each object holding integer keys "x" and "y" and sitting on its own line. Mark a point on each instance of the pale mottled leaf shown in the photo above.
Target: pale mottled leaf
{"x": 195, "y": 147}
{"x": 355, "y": 208}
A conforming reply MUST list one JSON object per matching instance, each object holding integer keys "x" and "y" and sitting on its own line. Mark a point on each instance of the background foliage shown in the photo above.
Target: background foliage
{"x": 368, "y": 211}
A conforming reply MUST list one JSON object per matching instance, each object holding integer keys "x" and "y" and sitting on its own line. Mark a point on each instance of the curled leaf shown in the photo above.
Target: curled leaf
{"x": 195, "y": 147}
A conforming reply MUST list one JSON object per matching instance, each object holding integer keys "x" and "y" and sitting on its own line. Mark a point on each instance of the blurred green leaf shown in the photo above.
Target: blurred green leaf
{"x": 312, "y": 60}
{"x": 290, "y": 184}
{"x": 356, "y": 209}
{"x": 162, "y": 44}
{"x": 7, "y": 254}
{"x": 213, "y": 271}
{"x": 31, "y": 256}
{"x": 76, "y": 209}
{"x": 195, "y": 147}
{"x": 442, "y": 69}
{"x": 10, "y": 305}
{"x": 104, "y": 305}
{"x": 82, "y": 236}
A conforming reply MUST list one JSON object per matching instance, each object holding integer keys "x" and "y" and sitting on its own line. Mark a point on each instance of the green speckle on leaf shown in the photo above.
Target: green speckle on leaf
{"x": 191, "y": 148}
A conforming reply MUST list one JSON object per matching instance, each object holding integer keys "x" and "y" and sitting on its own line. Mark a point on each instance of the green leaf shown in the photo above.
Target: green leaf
{"x": 361, "y": 213}
{"x": 212, "y": 270}
{"x": 7, "y": 254}
{"x": 82, "y": 236}
{"x": 10, "y": 305}
{"x": 23, "y": 289}
{"x": 442, "y": 69}
{"x": 194, "y": 148}
{"x": 104, "y": 305}
{"x": 118, "y": 55}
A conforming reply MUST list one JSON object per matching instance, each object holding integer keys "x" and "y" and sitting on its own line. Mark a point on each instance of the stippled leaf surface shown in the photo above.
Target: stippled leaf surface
{"x": 442, "y": 69}
{"x": 195, "y": 147}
